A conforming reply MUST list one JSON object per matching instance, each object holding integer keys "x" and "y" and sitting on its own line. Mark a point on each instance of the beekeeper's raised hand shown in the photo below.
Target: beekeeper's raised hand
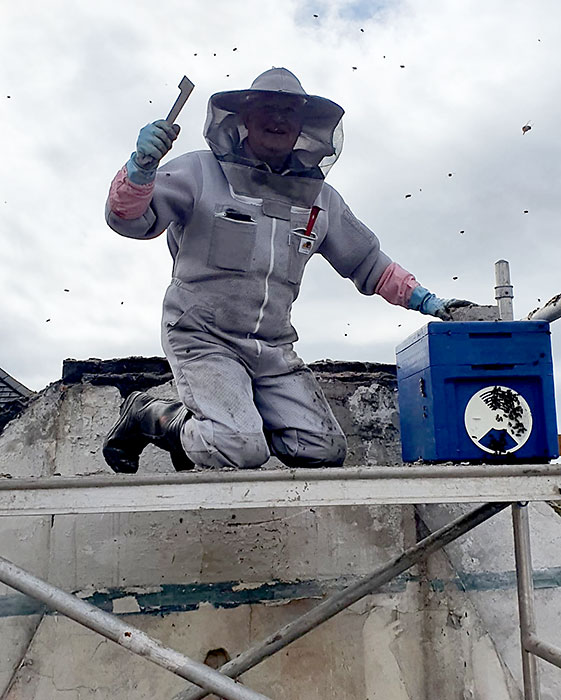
{"x": 428, "y": 303}
{"x": 154, "y": 141}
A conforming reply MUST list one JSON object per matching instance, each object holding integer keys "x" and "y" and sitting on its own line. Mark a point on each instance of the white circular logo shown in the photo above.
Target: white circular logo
{"x": 498, "y": 419}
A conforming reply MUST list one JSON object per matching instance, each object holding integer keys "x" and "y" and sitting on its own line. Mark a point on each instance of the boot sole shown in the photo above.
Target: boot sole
{"x": 119, "y": 461}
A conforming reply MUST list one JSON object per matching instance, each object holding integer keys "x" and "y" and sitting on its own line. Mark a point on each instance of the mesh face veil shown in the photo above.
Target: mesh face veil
{"x": 321, "y": 137}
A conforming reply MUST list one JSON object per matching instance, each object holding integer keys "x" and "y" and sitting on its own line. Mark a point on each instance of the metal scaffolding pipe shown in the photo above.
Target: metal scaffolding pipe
{"x": 544, "y": 650}
{"x": 417, "y": 471}
{"x": 125, "y": 635}
{"x": 525, "y": 584}
{"x": 341, "y": 600}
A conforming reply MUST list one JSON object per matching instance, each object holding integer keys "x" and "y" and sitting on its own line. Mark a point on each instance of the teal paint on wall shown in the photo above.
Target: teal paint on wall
{"x": 230, "y": 594}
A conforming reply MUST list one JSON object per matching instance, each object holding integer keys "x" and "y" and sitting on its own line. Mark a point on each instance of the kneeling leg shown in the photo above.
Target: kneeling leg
{"x": 299, "y": 423}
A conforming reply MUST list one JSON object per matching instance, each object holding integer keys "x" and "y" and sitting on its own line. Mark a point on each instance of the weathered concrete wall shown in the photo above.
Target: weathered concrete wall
{"x": 226, "y": 579}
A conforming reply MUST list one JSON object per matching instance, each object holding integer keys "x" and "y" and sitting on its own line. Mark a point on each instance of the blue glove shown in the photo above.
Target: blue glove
{"x": 154, "y": 141}
{"x": 427, "y": 303}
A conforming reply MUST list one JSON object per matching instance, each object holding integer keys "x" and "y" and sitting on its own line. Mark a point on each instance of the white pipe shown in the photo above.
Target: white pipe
{"x": 503, "y": 290}
{"x": 548, "y": 312}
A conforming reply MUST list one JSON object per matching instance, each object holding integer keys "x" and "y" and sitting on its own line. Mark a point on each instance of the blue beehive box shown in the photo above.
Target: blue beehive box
{"x": 478, "y": 391}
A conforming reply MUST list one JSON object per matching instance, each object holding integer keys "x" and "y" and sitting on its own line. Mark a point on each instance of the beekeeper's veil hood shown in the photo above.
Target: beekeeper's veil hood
{"x": 315, "y": 151}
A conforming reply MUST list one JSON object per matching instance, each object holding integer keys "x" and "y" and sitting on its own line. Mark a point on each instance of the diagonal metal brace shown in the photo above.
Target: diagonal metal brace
{"x": 125, "y": 635}
{"x": 342, "y": 599}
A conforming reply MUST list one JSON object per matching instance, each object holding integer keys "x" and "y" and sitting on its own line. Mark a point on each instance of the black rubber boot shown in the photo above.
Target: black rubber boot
{"x": 143, "y": 420}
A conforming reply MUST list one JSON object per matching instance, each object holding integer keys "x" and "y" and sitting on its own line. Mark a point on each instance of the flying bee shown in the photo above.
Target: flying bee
{"x": 527, "y": 126}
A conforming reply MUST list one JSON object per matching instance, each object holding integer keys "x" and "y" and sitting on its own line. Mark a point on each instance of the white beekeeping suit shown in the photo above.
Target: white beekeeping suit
{"x": 241, "y": 229}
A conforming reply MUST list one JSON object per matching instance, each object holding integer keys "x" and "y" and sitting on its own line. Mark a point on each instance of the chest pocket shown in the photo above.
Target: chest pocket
{"x": 300, "y": 249}
{"x": 232, "y": 240}
{"x": 300, "y": 246}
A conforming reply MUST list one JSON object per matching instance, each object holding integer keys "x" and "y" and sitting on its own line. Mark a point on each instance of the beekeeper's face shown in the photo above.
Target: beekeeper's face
{"x": 273, "y": 125}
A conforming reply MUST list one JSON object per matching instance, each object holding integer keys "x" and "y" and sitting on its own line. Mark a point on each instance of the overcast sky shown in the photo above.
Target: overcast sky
{"x": 435, "y": 92}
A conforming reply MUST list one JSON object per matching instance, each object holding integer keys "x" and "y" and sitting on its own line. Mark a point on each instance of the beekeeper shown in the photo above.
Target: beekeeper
{"x": 243, "y": 219}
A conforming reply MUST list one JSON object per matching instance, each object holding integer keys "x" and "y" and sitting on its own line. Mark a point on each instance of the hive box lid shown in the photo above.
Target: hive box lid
{"x": 438, "y": 328}
{"x": 444, "y": 343}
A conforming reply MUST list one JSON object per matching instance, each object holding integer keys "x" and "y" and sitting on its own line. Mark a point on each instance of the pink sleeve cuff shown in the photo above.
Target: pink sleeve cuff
{"x": 127, "y": 200}
{"x": 396, "y": 285}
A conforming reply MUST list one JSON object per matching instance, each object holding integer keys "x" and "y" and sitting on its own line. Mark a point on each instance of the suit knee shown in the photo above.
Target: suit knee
{"x": 296, "y": 449}
{"x": 227, "y": 449}
{"x": 248, "y": 451}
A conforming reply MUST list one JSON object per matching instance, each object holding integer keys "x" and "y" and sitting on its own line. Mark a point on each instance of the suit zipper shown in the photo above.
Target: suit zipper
{"x": 269, "y": 271}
